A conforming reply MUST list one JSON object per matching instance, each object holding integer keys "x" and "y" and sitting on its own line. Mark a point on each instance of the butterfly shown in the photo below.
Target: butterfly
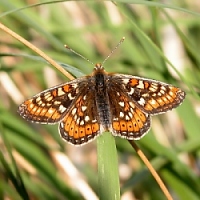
{"x": 88, "y": 106}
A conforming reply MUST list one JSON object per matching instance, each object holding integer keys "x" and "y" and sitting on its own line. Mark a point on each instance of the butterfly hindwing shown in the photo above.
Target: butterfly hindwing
{"x": 81, "y": 123}
{"x": 128, "y": 121}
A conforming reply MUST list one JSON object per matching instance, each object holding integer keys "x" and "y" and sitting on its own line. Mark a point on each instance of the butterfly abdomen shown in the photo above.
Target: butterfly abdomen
{"x": 102, "y": 102}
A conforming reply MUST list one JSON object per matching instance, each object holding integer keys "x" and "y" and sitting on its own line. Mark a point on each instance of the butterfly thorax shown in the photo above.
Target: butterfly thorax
{"x": 99, "y": 75}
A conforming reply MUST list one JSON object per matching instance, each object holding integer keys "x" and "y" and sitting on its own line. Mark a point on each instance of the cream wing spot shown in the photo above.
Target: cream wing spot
{"x": 57, "y": 103}
{"x": 121, "y": 103}
{"x": 125, "y": 81}
{"x": 153, "y": 89}
{"x": 153, "y": 95}
{"x": 162, "y": 92}
{"x": 83, "y": 108}
{"x": 127, "y": 117}
{"x": 140, "y": 84}
{"x": 163, "y": 88}
{"x": 60, "y": 92}
{"x": 62, "y": 109}
{"x": 131, "y": 109}
{"x": 145, "y": 95}
{"x": 121, "y": 114}
{"x": 38, "y": 99}
{"x": 87, "y": 118}
{"x": 78, "y": 120}
{"x": 131, "y": 92}
{"x": 47, "y": 94}
{"x": 49, "y": 98}
{"x": 82, "y": 122}
{"x": 130, "y": 114}
{"x": 75, "y": 117}
{"x": 141, "y": 101}
{"x": 132, "y": 104}
{"x": 74, "y": 111}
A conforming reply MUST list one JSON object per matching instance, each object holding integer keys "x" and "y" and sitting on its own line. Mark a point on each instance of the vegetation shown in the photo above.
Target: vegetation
{"x": 162, "y": 43}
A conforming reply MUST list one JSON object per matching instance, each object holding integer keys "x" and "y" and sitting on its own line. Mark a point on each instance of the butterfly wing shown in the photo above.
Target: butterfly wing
{"x": 133, "y": 100}
{"x": 81, "y": 123}
{"x": 128, "y": 121}
{"x": 151, "y": 96}
{"x": 51, "y": 105}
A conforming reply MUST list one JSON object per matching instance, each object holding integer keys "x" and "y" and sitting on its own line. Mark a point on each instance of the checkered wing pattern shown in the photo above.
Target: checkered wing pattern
{"x": 81, "y": 124}
{"x": 51, "y": 105}
{"x": 71, "y": 104}
{"x": 133, "y": 100}
{"x": 88, "y": 106}
{"x": 128, "y": 121}
{"x": 151, "y": 96}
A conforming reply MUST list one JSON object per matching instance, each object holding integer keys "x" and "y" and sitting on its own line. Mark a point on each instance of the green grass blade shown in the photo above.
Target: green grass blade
{"x": 108, "y": 175}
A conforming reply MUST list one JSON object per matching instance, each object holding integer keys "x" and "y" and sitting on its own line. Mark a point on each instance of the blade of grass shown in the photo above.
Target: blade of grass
{"x": 36, "y": 50}
{"x": 108, "y": 175}
{"x": 152, "y": 170}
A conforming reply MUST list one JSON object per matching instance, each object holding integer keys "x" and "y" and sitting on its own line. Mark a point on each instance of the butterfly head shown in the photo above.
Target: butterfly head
{"x": 98, "y": 69}
{"x": 98, "y": 66}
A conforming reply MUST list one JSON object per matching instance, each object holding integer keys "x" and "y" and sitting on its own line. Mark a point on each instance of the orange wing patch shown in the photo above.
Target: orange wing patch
{"x": 78, "y": 134}
{"x": 49, "y": 106}
{"x": 133, "y": 82}
{"x": 39, "y": 113}
{"x": 132, "y": 123}
{"x": 165, "y": 99}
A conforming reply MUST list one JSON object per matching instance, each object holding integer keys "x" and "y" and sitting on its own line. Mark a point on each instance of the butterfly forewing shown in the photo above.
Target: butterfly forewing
{"x": 151, "y": 96}
{"x": 50, "y": 105}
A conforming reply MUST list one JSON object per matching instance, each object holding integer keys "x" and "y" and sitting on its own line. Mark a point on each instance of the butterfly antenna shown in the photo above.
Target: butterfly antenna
{"x": 78, "y": 54}
{"x": 120, "y": 42}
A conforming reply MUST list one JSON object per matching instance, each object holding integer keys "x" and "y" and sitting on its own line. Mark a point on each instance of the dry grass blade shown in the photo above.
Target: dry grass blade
{"x": 36, "y": 50}
{"x": 152, "y": 170}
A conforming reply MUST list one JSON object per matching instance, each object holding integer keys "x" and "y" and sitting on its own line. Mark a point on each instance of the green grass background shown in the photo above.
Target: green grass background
{"x": 162, "y": 43}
